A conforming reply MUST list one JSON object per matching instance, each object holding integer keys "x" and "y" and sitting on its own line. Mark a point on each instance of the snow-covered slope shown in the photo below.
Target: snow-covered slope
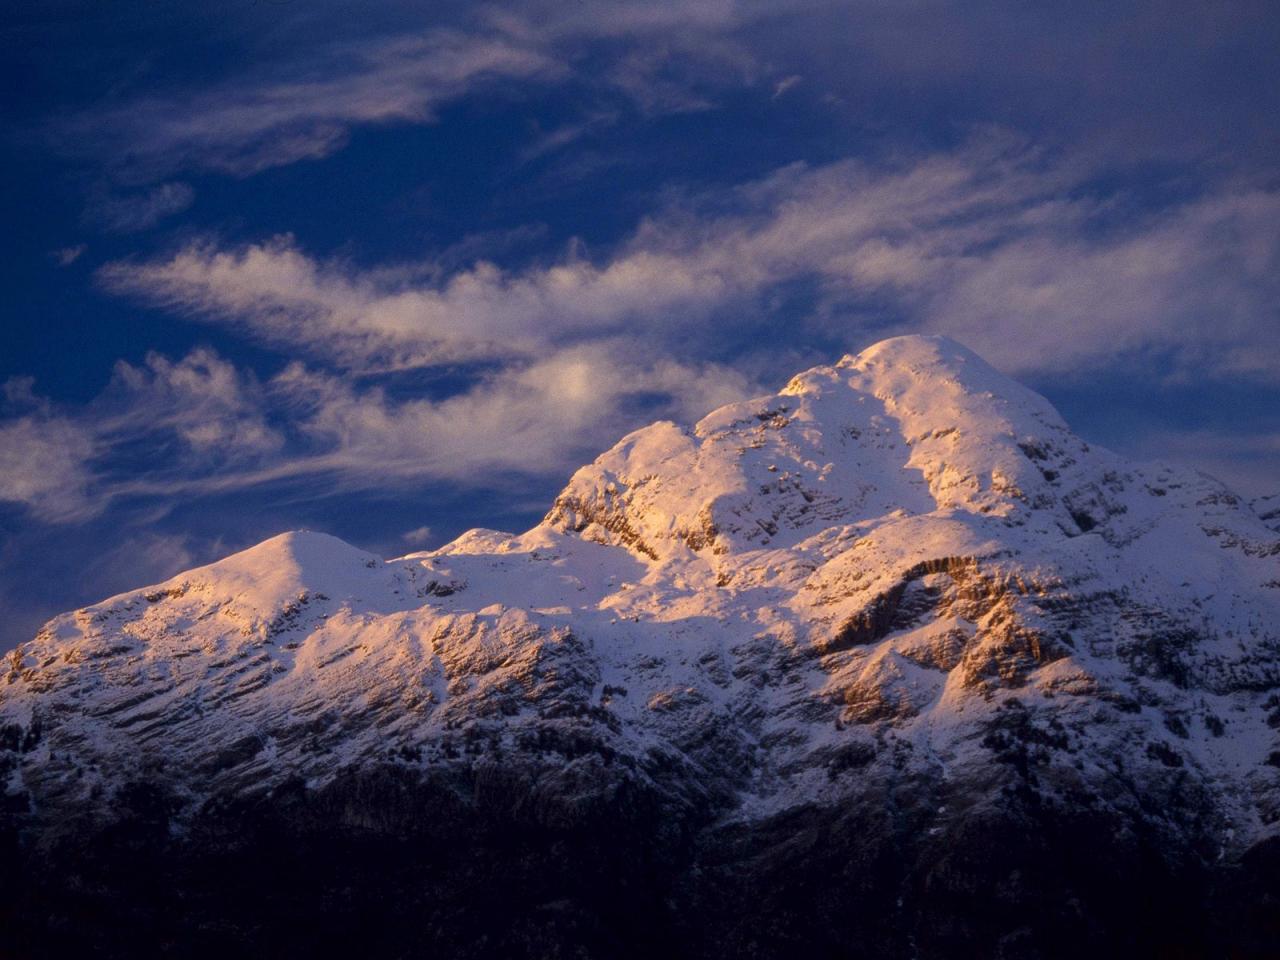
{"x": 901, "y": 568}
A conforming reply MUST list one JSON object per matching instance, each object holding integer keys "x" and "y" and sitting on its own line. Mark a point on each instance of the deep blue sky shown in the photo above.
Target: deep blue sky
{"x": 392, "y": 273}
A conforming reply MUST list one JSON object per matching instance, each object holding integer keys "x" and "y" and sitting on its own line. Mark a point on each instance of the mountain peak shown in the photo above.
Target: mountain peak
{"x": 291, "y": 557}
{"x": 923, "y": 356}
{"x": 914, "y": 350}
{"x": 924, "y": 371}
{"x": 262, "y": 579}
{"x": 915, "y": 424}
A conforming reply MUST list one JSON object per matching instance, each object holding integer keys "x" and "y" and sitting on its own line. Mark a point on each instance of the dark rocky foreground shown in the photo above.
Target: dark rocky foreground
{"x": 494, "y": 861}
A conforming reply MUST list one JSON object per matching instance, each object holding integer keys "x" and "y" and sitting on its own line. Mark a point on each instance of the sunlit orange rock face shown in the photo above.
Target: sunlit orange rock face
{"x": 889, "y": 664}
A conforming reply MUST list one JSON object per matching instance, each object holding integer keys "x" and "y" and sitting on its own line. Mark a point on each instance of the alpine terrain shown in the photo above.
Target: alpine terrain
{"x": 888, "y": 665}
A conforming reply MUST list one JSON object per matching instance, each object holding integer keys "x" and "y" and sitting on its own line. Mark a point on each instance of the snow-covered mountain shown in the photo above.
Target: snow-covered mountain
{"x": 892, "y": 653}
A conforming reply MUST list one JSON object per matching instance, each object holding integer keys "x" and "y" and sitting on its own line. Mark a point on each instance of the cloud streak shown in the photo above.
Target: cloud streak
{"x": 306, "y": 108}
{"x": 244, "y": 128}
{"x": 141, "y": 210}
{"x": 44, "y": 466}
{"x": 170, "y": 431}
{"x": 1016, "y": 253}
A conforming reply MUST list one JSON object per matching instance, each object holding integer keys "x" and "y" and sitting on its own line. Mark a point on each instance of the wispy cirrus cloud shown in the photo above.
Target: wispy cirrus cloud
{"x": 304, "y": 107}
{"x": 214, "y": 412}
{"x": 785, "y": 84}
{"x": 160, "y": 420}
{"x": 380, "y": 320}
{"x": 1015, "y": 252}
{"x": 44, "y": 466}
{"x": 418, "y": 536}
{"x": 1180, "y": 91}
{"x": 171, "y": 431}
{"x": 526, "y": 419}
{"x": 304, "y": 110}
{"x": 131, "y": 211}
{"x": 66, "y": 256}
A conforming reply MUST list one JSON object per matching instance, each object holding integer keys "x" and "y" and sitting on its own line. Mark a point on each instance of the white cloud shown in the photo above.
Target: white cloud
{"x": 278, "y": 294}
{"x": 1199, "y": 282}
{"x": 172, "y": 431}
{"x": 146, "y": 557}
{"x": 216, "y": 412}
{"x": 417, "y": 537}
{"x": 993, "y": 243}
{"x": 525, "y": 419}
{"x": 44, "y": 466}
{"x": 20, "y": 393}
{"x": 157, "y": 429}
{"x": 785, "y": 84}
{"x": 663, "y": 58}
{"x": 559, "y": 138}
{"x": 139, "y": 210}
{"x": 66, "y": 256}
{"x": 245, "y": 127}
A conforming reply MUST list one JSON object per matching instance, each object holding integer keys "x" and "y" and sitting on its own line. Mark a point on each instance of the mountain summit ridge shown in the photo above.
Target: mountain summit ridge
{"x": 848, "y": 425}
{"x": 899, "y": 587}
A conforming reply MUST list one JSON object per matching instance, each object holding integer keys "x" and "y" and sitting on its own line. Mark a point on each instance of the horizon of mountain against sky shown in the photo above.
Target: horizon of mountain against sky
{"x": 892, "y": 652}
{"x": 393, "y": 272}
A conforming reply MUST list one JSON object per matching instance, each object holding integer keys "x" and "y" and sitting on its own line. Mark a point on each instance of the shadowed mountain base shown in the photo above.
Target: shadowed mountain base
{"x": 386, "y": 864}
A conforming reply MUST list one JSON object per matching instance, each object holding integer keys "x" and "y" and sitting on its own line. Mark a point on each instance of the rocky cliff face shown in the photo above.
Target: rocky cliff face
{"x": 889, "y": 664}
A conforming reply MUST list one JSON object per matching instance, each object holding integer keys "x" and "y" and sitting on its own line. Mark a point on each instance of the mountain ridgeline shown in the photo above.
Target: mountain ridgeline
{"x": 888, "y": 665}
